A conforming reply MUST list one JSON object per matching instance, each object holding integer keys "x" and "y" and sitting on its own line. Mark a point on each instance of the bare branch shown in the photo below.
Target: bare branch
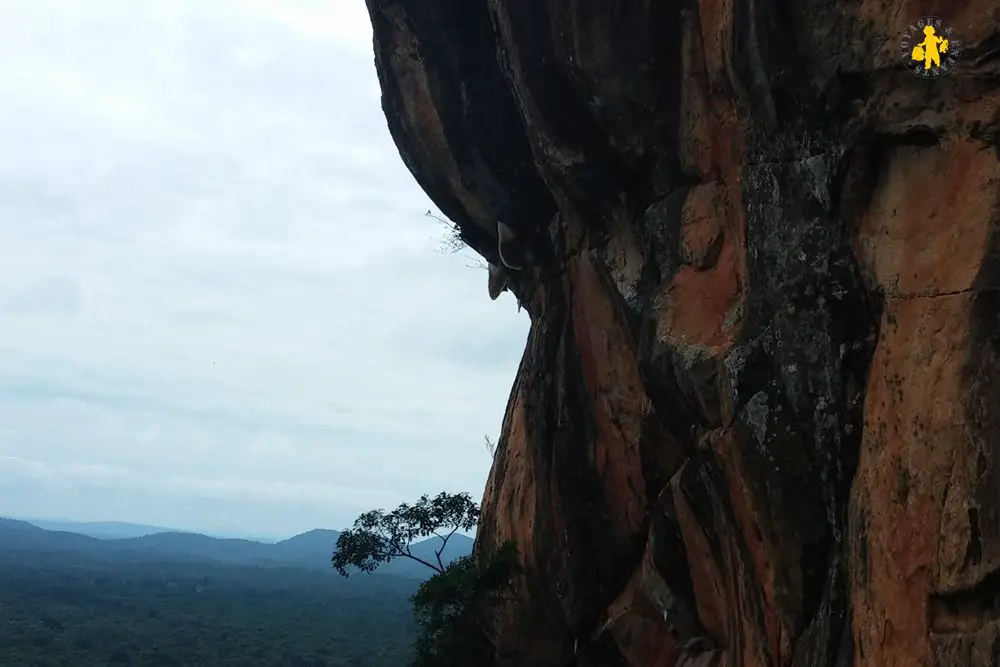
{"x": 444, "y": 543}
{"x": 407, "y": 554}
{"x": 452, "y": 242}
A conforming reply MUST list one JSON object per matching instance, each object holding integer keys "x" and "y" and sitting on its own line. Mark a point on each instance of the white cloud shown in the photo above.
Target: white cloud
{"x": 222, "y": 305}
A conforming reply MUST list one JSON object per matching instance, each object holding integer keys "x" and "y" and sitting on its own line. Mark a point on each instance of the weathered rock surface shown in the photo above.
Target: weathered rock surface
{"x": 757, "y": 420}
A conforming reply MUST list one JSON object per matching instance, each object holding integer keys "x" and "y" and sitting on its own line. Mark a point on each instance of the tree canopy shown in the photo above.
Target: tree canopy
{"x": 453, "y": 607}
{"x": 379, "y": 536}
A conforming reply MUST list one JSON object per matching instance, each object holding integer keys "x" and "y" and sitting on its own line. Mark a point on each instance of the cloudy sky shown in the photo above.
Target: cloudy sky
{"x": 221, "y": 305}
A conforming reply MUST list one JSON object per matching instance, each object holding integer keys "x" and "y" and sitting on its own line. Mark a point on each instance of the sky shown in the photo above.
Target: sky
{"x": 222, "y": 307}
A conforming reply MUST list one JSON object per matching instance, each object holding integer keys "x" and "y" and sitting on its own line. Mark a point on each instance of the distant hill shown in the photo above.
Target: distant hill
{"x": 15, "y": 534}
{"x": 311, "y": 550}
{"x": 109, "y": 530}
{"x": 100, "y": 529}
{"x": 312, "y": 546}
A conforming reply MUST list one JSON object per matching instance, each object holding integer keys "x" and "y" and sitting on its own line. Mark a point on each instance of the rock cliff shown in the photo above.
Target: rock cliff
{"x": 757, "y": 419}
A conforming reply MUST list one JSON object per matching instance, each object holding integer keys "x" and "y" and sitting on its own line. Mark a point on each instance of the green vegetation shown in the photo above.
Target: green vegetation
{"x": 451, "y": 608}
{"x": 54, "y": 612}
{"x": 185, "y": 600}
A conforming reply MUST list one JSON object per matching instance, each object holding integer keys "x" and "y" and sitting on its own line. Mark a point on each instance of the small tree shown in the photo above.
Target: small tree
{"x": 378, "y": 536}
{"x": 452, "y": 606}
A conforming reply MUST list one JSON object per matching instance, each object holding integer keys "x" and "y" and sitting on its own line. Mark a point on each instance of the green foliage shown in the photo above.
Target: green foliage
{"x": 453, "y": 607}
{"x": 378, "y": 536}
{"x": 57, "y": 610}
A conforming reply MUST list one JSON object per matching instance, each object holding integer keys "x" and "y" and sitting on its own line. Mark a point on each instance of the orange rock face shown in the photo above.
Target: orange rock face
{"x": 757, "y": 420}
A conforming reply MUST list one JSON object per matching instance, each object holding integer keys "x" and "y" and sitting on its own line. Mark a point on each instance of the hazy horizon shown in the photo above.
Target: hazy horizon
{"x": 181, "y": 529}
{"x": 223, "y": 306}
{"x": 178, "y": 529}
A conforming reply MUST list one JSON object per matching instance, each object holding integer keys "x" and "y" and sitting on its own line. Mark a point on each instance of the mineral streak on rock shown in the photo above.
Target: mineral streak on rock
{"x": 757, "y": 419}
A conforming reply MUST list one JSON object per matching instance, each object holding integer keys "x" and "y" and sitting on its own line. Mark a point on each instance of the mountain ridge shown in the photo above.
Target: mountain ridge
{"x": 311, "y": 549}
{"x": 122, "y": 529}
